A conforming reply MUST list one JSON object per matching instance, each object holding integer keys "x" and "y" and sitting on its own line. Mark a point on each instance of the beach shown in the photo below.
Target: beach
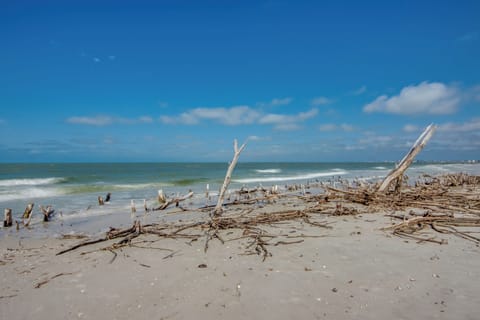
{"x": 332, "y": 260}
{"x": 354, "y": 271}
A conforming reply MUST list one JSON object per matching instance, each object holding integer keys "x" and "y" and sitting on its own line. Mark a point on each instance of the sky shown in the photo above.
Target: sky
{"x": 102, "y": 81}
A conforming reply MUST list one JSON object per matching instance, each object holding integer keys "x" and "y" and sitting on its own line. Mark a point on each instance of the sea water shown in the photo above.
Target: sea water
{"x": 73, "y": 188}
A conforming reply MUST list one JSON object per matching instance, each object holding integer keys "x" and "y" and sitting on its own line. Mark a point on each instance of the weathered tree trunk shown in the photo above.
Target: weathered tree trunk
{"x": 397, "y": 173}
{"x": 228, "y": 177}
{"x": 8, "y": 218}
{"x": 28, "y": 211}
{"x": 161, "y": 196}
{"x": 47, "y": 212}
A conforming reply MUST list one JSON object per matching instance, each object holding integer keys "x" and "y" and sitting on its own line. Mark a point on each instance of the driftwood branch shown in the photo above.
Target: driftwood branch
{"x": 228, "y": 177}
{"x": 397, "y": 173}
{"x": 177, "y": 200}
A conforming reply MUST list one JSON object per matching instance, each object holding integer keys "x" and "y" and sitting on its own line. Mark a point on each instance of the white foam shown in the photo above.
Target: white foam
{"x": 268, "y": 170}
{"x": 289, "y": 178}
{"x": 29, "y": 182}
{"x": 28, "y": 193}
{"x": 380, "y": 168}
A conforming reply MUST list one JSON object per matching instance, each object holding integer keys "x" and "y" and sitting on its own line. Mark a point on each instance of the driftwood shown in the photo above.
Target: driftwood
{"x": 448, "y": 209}
{"x": 47, "y": 212}
{"x": 397, "y": 173}
{"x": 249, "y": 225}
{"x": 228, "y": 177}
{"x": 161, "y": 196}
{"x": 177, "y": 200}
{"x": 132, "y": 206}
{"x": 8, "y": 221}
{"x": 28, "y": 212}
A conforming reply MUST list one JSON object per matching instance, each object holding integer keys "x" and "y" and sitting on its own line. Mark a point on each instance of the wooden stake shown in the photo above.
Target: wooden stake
{"x": 397, "y": 173}
{"x": 28, "y": 211}
{"x": 132, "y": 206}
{"x": 228, "y": 177}
{"x": 161, "y": 196}
{"x": 8, "y": 218}
{"x": 100, "y": 201}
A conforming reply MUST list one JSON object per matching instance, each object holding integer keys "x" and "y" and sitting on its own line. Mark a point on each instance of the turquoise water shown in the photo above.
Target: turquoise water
{"x": 73, "y": 188}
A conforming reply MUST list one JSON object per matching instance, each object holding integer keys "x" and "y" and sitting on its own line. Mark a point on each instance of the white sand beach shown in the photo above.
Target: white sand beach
{"x": 351, "y": 271}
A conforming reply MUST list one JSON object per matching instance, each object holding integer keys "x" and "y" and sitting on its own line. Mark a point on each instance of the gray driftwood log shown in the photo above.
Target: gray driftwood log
{"x": 397, "y": 173}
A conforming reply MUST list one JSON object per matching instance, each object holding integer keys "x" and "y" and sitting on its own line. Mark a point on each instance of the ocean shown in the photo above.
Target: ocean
{"x": 73, "y": 188}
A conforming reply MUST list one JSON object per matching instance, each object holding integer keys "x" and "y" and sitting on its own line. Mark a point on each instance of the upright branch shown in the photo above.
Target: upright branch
{"x": 228, "y": 177}
{"x": 28, "y": 211}
{"x": 397, "y": 173}
{"x": 8, "y": 221}
{"x": 47, "y": 212}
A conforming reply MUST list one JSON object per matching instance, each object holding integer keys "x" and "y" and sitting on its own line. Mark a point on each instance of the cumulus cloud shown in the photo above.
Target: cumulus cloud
{"x": 320, "y": 101}
{"x": 102, "y": 120}
{"x": 228, "y": 116}
{"x": 287, "y": 122}
{"x": 239, "y": 115}
{"x": 425, "y": 98}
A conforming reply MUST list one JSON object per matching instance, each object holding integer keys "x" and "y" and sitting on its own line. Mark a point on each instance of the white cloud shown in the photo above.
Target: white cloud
{"x": 333, "y": 127}
{"x": 240, "y": 115}
{"x": 359, "y": 91}
{"x": 425, "y": 98}
{"x": 229, "y": 116}
{"x": 320, "y": 101}
{"x": 281, "y": 102}
{"x": 145, "y": 119}
{"x": 469, "y": 126}
{"x": 328, "y": 127}
{"x": 346, "y": 127}
{"x": 287, "y": 122}
{"x": 289, "y": 126}
{"x": 276, "y": 102}
{"x": 92, "y": 121}
{"x": 411, "y": 128}
{"x": 102, "y": 120}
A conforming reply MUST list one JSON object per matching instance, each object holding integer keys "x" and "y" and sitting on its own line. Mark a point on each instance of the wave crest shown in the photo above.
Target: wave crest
{"x": 30, "y": 182}
{"x": 306, "y": 176}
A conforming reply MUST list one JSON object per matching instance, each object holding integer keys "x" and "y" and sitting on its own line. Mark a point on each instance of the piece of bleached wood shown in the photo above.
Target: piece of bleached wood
{"x": 397, "y": 173}
{"x": 228, "y": 177}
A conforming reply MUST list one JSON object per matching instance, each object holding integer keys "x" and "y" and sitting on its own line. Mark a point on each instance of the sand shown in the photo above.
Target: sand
{"x": 354, "y": 271}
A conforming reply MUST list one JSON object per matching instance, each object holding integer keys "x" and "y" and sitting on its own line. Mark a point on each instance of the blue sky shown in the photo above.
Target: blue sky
{"x": 179, "y": 80}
